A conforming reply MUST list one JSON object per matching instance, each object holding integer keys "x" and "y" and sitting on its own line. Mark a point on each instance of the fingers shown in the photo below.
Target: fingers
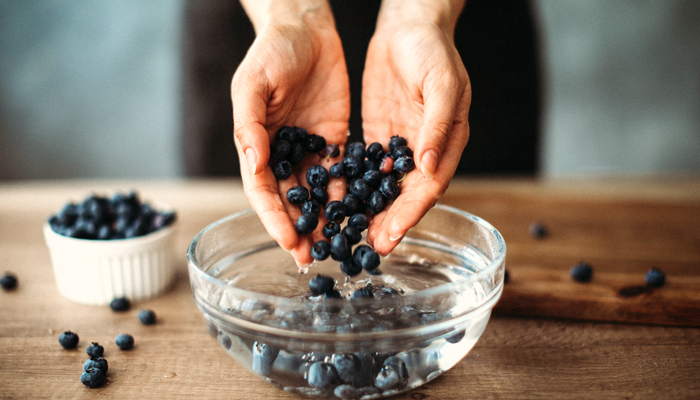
{"x": 248, "y": 94}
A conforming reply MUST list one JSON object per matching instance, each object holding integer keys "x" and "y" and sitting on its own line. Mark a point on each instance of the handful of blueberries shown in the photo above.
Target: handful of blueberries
{"x": 121, "y": 217}
{"x": 373, "y": 177}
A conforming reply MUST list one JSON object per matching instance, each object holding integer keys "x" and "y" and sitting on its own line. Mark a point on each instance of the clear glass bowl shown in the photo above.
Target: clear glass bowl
{"x": 431, "y": 304}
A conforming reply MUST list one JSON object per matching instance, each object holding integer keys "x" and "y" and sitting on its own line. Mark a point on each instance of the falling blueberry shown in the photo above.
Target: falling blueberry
{"x": 581, "y": 272}
{"x": 655, "y": 277}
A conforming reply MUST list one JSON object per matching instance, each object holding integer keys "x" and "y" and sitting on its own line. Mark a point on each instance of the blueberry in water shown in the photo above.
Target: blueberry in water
{"x": 69, "y": 340}
{"x": 366, "y": 257}
{"x": 286, "y": 133}
{"x": 352, "y": 234}
{"x": 314, "y": 144}
{"x": 296, "y": 154}
{"x": 366, "y": 375}
{"x": 306, "y": 224}
{"x": 349, "y": 267}
{"x": 322, "y": 375}
{"x": 321, "y": 250}
{"x": 362, "y": 293}
{"x": 404, "y": 164}
{"x": 332, "y": 151}
{"x": 147, "y": 317}
{"x": 353, "y": 166}
{"x": 96, "y": 362}
{"x": 375, "y": 152}
{"x": 263, "y": 357}
{"x": 346, "y": 392}
{"x": 389, "y": 188}
{"x": 124, "y": 341}
{"x": 331, "y": 229}
{"x": 336, "y": 170}
{"x": 360, "y": 189}
{"x": 376, "y": 202}
{"x": 655, "y": 277}
{"x": 340, "y": 249}
{"x": 401, "y": 151}
{"x": 581, "y": 272}
{"x": 8, "y": 281}
{"x": 359, "y": 222}
{"x": 321, "y": 284}
{"x": 393, "y": 374}
{"x": 373, "y": 178}
{"x": 356, "y": 149}
{"x": 351, "y": 203}
{"x": 279, "y": 149}
{"x": 311, "y": 207}
{"x": 317, "y": 176}
{"x": 396, "y": 141}
{"x": 92, "y": 378}
{"x": 347, "y": 366}
{"x": 457, "y": 337}
{"x": 95, "y": 350}
{"x": 282, "y": 169}
{"x": 297, "y": 195}
{"x": 319, "y": 194}
{"x": 120, "y": 304}
{"x": 225, "y": 341}
{"x": 335, "y": 211}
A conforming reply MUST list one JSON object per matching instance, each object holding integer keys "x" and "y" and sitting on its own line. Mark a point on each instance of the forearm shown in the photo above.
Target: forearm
{"x": 315, "y": 13}
{"x": 441, "y": 13}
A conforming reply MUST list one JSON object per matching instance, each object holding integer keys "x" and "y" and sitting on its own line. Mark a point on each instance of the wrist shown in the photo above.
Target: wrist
{"x": 440, "y": 13}
{"x": 311, "y": 13}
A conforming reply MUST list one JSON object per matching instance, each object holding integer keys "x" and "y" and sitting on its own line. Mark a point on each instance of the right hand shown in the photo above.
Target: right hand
{"x": 294, "y": 74}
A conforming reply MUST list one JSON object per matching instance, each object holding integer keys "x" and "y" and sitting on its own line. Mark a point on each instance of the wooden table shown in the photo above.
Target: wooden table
{"x": 622, "y": 226}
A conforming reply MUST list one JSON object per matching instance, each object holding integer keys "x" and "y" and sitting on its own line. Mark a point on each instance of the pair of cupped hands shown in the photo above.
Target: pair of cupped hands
{"x": 414, "y": 85}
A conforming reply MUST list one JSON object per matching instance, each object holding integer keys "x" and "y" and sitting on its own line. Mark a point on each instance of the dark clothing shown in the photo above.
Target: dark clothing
{"x": 496, "y": 39}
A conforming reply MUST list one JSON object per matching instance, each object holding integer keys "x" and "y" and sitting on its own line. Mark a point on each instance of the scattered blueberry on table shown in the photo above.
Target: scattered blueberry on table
{"x": 95, "y": 350}
{"x": 581, "y": 272}
{"x": 68, "y": 339}
{"x": 147, "y": 317}
{"x": 655, "y": 277}
{"x": 124, "y": 341}
{"x": 92, "y": 377}
{"x": 8, "y": 281}
{"x": 96, "y": 362}
{"x": 120, "y": 304}
{"x": 537, "y": 230}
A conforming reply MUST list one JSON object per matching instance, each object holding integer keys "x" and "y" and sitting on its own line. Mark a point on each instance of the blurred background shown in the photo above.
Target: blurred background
{"x": 99, "y": 89}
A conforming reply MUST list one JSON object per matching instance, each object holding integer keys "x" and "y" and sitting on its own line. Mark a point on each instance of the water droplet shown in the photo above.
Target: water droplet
{"x": 303, "y": 269}
{"x": 169, "y": 375}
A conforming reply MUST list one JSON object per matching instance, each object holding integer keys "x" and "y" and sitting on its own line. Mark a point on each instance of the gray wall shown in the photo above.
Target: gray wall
{"x": 92, "y": 88}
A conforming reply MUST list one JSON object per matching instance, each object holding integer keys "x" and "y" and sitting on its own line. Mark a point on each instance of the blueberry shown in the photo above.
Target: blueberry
{"x": 321, "y": 250}
{"x": 96, "y": 362}
{"x": 396, "y": 141}
{"x": 8, "y": 281}
{"x": 124, "y": 341}
{"x": 264, "y": 356}
{"x": 346, "y": 392}
{"x": 537, "y": 230}
{"x": 332, "y": 151}
{"x": 147, "y": 317}
{"x": 347, "y": 366}
{"x": 104, "y": 232}
{"x": 399, "y": 366}
{"x": 331, "y": 229}
{"x": 375, "y": 152}
{"x": 387, "y": 379}
{"x": 319, "y": 194}
{"x": 356, "y": 149}
{"x": 225, "y": 342}
{"x": 286, "y": 133}
{"x": 368, "y": 165}
{"x": 322, "y": 375}
{"x": 353, "y": 166}
{"x": 336, "y": 170}
{"x": 340, "y": 249}
{"x": 352, "y": 234}
{"x": 655, "y": 277}
{"x": 401, "y": 151}
{"x": 297, "y": 195}
{"x": 69, "y": 340}
{"x": 373, "y": 178}
{"x": 376, "y": 202}
{"x": 95, "y": 350}
{"x": 351, "y": 203}
{"x": 366, "y": 257}
{"x": 301, "y": 134}
{"x": 335, "y": 211}
{"x": 92, "y": 378}
{"x": 457, "y": 337}
{"x": 386, "y": 166}
{"x": 360, "y": 189}
{"x": 389, "y": 188}
{"x": 306, "y": 224}
{"x": 349, "y": 267}
{"x": 581, "y": 272}
{"x": 364, "y": 379}
{"x": 296, "y": 154}
{"x": 506, "y": 277}
{"x": 314, "y": 144}
{"x": 321, "y": 284}
{"x": 279, "y": 149}
{"x": 120, "y": 304}
{"x": 404, "y": 164}
{"x": 359, "y": 222}
{"x": 317, "y": 176}
{"x": 362, "y": 293}
{"x": 282, "y": 169}
{"x": 311, "y": 207}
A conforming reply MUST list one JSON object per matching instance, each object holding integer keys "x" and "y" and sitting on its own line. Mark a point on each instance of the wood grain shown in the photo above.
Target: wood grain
{"x": 519, "y": 357}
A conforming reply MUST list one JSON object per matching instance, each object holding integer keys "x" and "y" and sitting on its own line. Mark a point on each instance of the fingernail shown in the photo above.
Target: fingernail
{"x": 395, "y": 238}
{"x": 394, "y": 234}
{"x": 428, "y": 163}
{"x": 250, "y": 160}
